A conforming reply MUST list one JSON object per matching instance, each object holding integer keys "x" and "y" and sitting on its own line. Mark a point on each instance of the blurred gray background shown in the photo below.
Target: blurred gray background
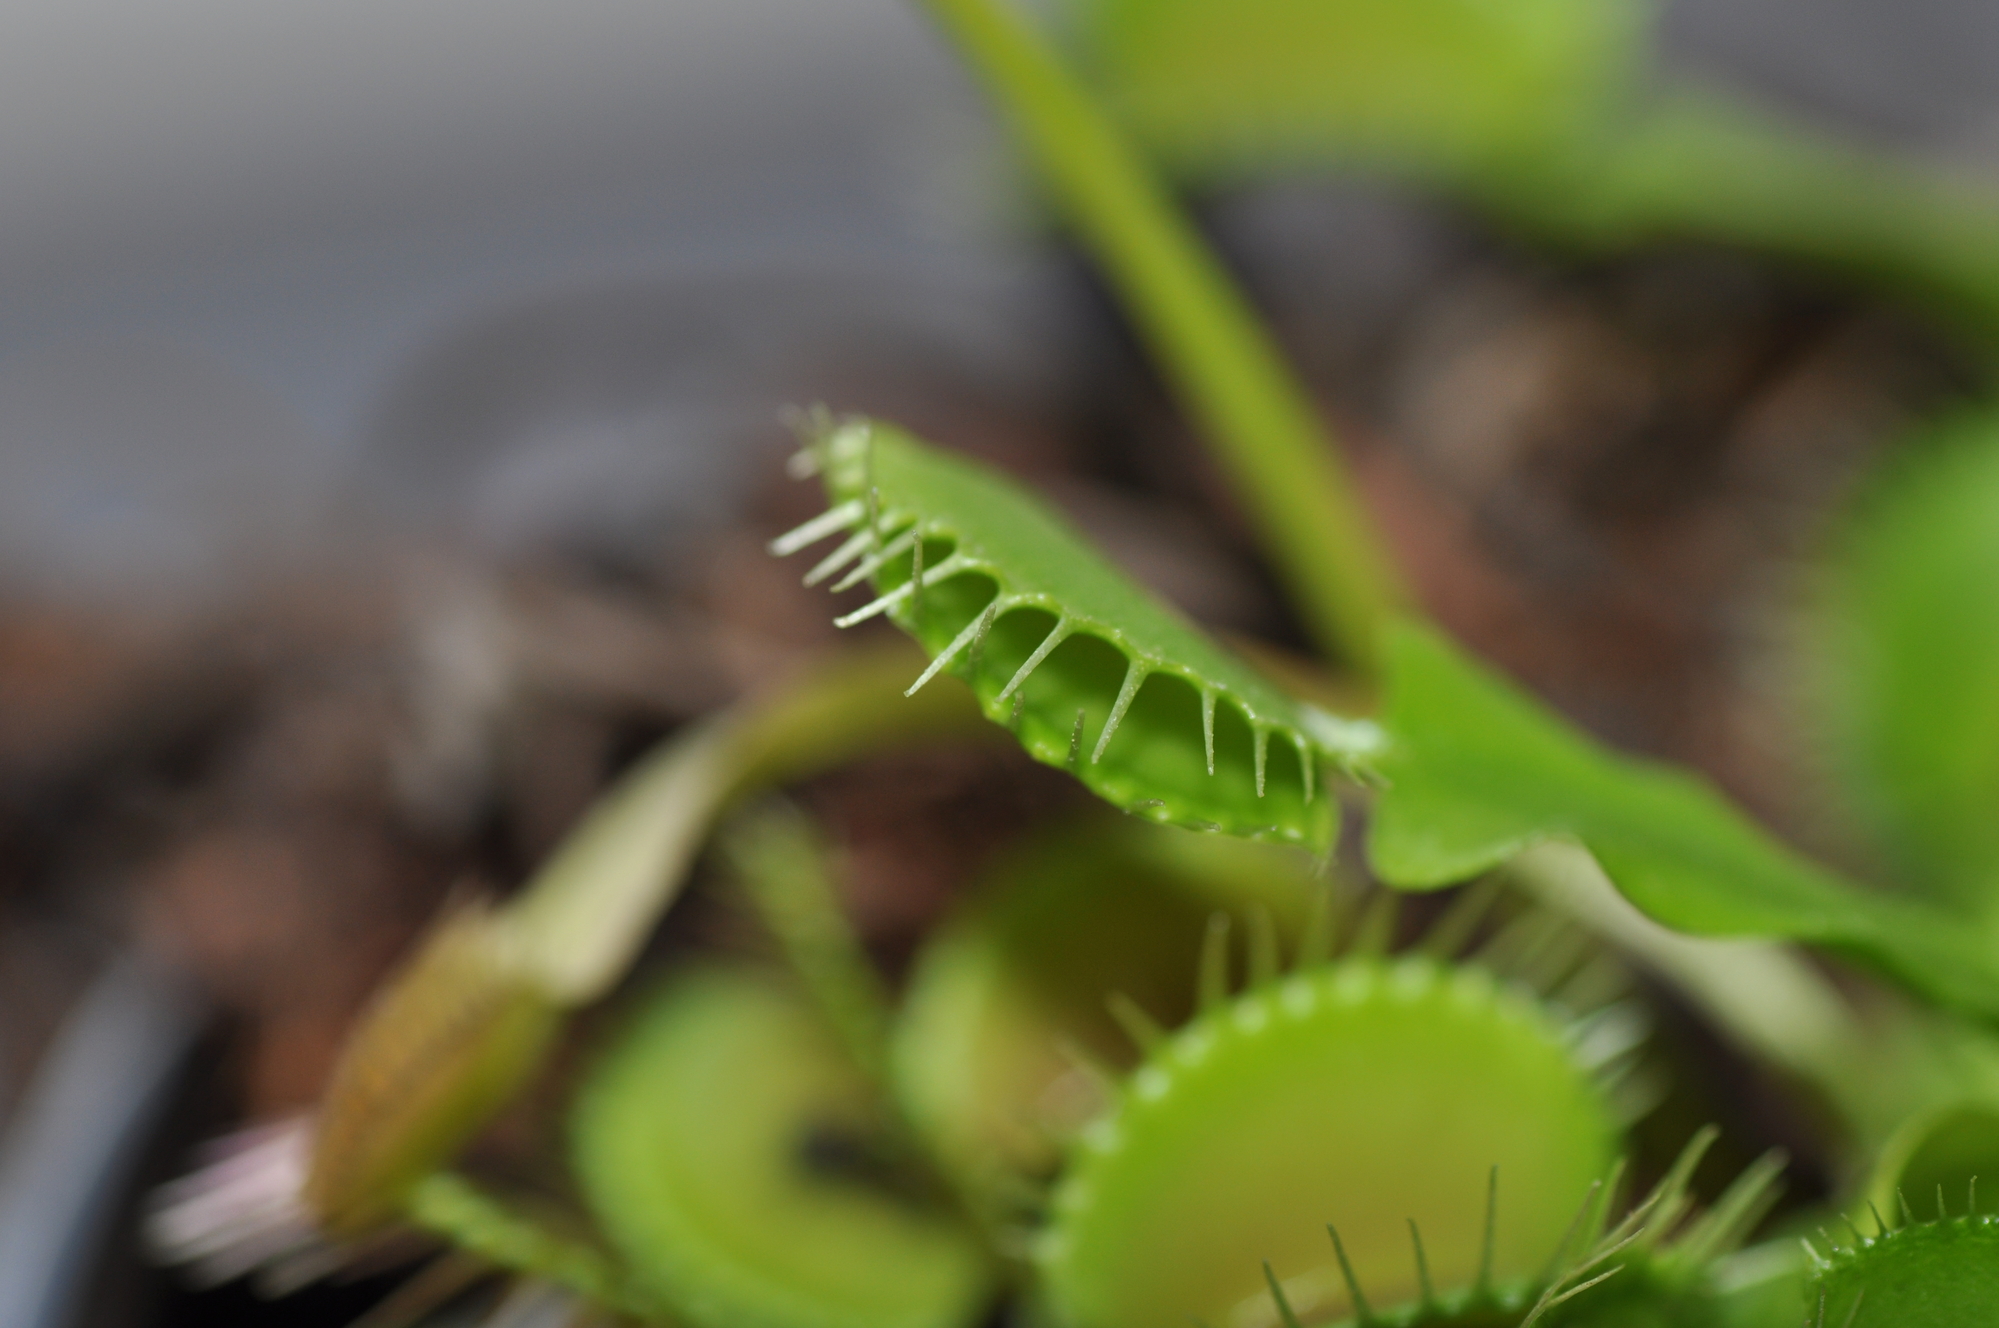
{"x": 252, "y": 255}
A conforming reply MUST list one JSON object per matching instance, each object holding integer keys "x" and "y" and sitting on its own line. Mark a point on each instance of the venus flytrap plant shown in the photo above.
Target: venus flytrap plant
{"x": 1898, "y": 646}
{"x": 735, "y": 1158}
{"x": 1385, "y": 1096}
{"x": 1925, "y": 1273}
{"x": 1104, "y": 681}
{"x": 810, "y": 1201}
{"x": 1228, "y": 371}
{"x": 1089, "y": 672}
{"x": 1943, "y": 1145}
{"x": 447, "y": 1041}
{"x": 1072, "y": 940}
{"x": 1457, "y": 798}
{"x": 807, "y": 1203}
{"x": 461, "y": 1026}
{"x": 995, "y": 980}
{"x": 751, "y": 1153}
{"x": 1899, "y": 651}
{"x": 1654, "y": 1268}
{"x": 1061, "y": 648}
{"x": 1899, "y": 640}
{"x": 1544, "y": 112}
{"x": 1476, "y": 772}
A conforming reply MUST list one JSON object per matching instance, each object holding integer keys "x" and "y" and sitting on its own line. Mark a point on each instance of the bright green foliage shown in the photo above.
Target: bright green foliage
{"x": 735, "y": 1150}
{"x": 1023, "y": 977}
{"x": 1655, "y": 1268}
{"x": 1267, "y": 435}
{"x": 1458, "y": 87}
{"x": 1090, "y": 672}
{"x": 1941, "y": 1151}
{"x": 736, "y": 1161}
{"x": 1544, "y": 110}
{"x": 1941, "y": 1274}
{"x": 1762, "y": 1287}
{"x": 1364, "y": 1093}
{"x": 1476, "y": 771}
{"x": 1907, "y": 654}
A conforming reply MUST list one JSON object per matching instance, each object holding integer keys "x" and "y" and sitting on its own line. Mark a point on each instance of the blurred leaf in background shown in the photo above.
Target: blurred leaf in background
{"x": 1547, "y": 114}
{"x": 1445, "y": 89}
{"x": 1904, "y": 650}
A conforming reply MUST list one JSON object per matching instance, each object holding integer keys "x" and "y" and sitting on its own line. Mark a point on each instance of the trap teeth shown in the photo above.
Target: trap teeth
{"x": 1216, "y": 1162}
{"x": 1045, "y": 630}
{"x": 839, "y": 517}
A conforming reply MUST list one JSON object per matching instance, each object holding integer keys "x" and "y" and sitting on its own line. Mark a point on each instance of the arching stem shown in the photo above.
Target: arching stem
{"x": 1228, "y": 372}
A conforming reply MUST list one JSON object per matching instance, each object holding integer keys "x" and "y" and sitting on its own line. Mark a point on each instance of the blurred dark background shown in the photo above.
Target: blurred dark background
{"x": 233, "y": 233}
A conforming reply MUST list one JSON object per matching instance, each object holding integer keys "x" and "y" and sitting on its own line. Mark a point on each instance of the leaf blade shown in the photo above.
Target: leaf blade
{"x": 1476, "y": 771}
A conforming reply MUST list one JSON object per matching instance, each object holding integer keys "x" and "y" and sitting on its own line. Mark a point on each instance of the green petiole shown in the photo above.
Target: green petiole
{"x": 1259, "y": 418}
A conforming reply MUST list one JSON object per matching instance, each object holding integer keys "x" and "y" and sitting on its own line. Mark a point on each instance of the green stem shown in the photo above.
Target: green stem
{"x": 1226, "y": 368}
{"x": 782, "y": 866}
{"x": 785, "y": 873}
{"x": 589, "y": 909}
